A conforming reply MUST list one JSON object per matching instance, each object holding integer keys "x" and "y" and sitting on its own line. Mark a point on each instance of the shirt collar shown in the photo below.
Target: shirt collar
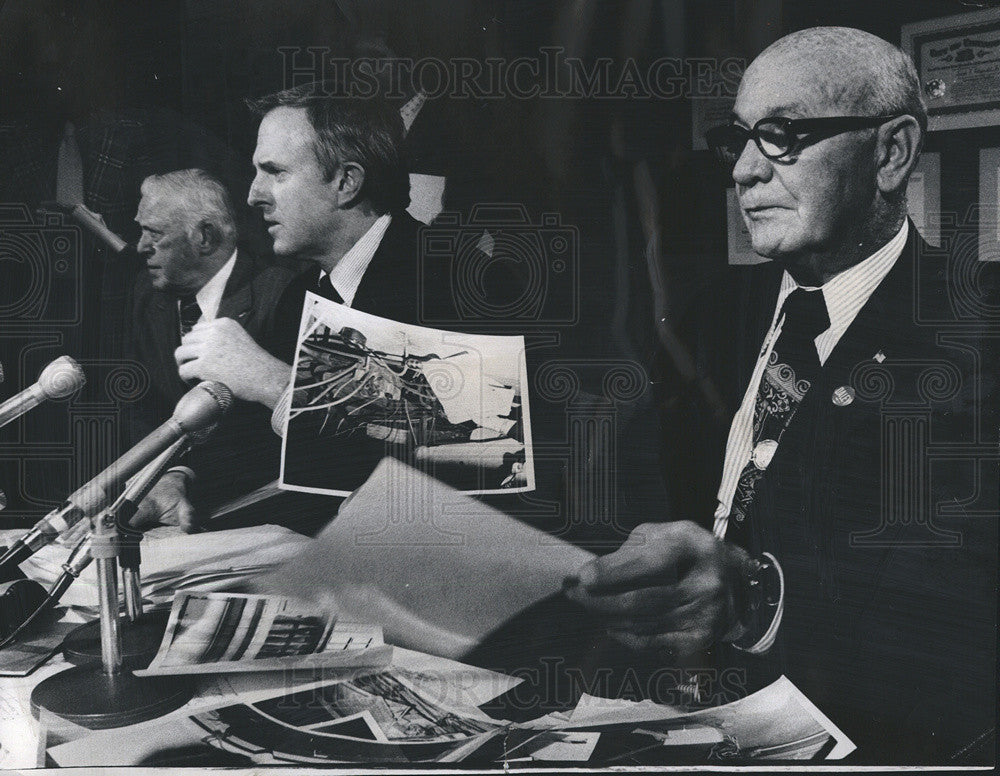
{"x": 210, "y": 296}
{"x": 848, "y": 291}
{"x": 346, "y": 275}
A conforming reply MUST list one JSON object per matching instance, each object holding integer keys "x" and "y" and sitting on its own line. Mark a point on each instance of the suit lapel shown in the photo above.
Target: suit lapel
{"x": 869, "y": 335}
{"x": 237, "y": 299}
{"x": 164, "y": 333}
{"x": 390, "y": 288}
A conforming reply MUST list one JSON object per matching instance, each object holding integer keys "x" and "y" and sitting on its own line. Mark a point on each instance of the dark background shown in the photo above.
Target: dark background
{"x": 177, "y": 73}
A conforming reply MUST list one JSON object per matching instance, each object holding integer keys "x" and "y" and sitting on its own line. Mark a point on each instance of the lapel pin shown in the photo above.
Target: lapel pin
{"x": 843, "y": 395}
{"x": 880, "y": 356}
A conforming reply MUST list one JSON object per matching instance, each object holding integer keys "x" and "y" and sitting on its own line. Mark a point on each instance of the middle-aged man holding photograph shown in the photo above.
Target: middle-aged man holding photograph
{"x": 854, "y": 542}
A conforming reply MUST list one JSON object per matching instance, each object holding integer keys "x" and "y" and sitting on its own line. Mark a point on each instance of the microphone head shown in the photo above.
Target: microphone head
{"x": 61, "y": 378}
{"x": 202, "y": 406}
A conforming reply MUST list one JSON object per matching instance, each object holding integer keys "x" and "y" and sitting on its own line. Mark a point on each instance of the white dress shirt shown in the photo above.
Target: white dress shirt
{"x": 346, "y": 275}
{"x": 845, "y": 294}
{"x": 209, "y": 297}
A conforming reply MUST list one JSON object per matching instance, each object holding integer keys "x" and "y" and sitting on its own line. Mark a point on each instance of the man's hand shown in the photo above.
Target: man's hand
{"x": 222, "y": 350}
{"x": 672, "y": 587}
{"x": 167, "y": 503}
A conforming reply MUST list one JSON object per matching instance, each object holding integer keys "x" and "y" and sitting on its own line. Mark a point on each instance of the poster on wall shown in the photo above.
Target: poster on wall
{"x": 958, "y": 63}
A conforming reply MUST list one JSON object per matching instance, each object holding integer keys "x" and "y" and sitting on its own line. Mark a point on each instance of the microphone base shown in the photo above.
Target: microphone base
{"x": 140, "y": 640}
{"x": 86, "y": 696}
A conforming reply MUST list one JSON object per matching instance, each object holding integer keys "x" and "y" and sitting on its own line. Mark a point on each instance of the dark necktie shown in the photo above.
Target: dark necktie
{"x": 326, "y": 290}
{"x": 190, "y": 313}
{"x": 791, "y": 368}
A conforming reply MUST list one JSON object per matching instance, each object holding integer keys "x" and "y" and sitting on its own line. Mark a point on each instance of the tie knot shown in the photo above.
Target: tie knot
{"x": 324, "y": 287}
{"x": 805, "y": 313}
{"x": 190, "y": 314}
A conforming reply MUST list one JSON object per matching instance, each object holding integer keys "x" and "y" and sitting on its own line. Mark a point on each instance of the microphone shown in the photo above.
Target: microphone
{"x": 61, "y": 378}
{"x": 124, "y": 507}
{"x": 198, "y": 409}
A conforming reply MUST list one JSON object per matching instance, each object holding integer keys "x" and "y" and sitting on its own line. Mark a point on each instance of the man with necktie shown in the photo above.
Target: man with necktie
{"x": 853, "y": 544}
{"x": 194, "y": 275}
{"x": 333, "y": 187}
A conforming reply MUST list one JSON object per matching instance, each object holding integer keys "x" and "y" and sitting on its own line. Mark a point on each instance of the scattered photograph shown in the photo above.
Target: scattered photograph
{"x": 210, "y": 632}
{"x": 453, "y": 405}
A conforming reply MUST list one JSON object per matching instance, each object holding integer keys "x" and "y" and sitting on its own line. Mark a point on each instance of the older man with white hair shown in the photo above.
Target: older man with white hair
{"x": 195, "y": 274}
{"x": 853, "y": 544}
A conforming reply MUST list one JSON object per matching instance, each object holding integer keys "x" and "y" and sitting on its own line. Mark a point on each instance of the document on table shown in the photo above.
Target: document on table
{"x": 213, "y": 632}
{"x": 171, "y": 560}
{"x": 438, "y": 570}
{"x": 776, "y": 722}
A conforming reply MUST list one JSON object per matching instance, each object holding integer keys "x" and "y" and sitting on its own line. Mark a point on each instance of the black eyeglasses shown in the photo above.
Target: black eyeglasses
{"x": 779, "y": 137}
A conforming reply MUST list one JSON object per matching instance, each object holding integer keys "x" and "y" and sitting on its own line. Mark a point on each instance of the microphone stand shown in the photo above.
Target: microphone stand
{"x": 109, "y": 695}
{"x": 141, "y": 633}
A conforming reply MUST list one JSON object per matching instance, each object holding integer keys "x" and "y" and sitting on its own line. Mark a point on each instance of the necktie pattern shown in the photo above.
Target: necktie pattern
{"x": 791, "y": 368}
{"x": 190, "y": 314}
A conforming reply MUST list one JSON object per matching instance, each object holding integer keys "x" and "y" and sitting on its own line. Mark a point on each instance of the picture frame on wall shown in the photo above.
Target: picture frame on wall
{"x": 958, "y": 64}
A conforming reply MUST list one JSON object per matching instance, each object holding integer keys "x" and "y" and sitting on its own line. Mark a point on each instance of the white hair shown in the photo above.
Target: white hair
{"x": 199, "y": 196}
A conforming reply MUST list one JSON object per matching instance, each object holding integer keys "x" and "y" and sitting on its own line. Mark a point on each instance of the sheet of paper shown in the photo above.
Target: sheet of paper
{"x": 450, "y": 683}
{"x": 168, "y": 555}
{"x": 23, "y": 656}
{"x": 212, "y": 632}
{"x": 436, "y": 569}
{"x": 554, "y": 746}
{"x": 367, "y": 718}
{"x": 777, "y": 722}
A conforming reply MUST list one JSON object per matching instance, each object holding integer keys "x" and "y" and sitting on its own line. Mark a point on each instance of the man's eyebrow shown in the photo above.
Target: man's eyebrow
{"x": 790, "y": 110}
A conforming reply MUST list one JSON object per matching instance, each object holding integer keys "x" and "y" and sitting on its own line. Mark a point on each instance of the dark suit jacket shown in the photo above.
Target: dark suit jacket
{"x": 243, "y": 452}
{"x": 392, "y": 287}
{"x": 883, "y": 511}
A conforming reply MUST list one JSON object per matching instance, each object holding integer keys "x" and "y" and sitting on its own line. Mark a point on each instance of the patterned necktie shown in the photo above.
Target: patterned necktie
{"x": 791, "y": 368}
{"x": 324, "y": 287}
{"x": 190, "y": 314}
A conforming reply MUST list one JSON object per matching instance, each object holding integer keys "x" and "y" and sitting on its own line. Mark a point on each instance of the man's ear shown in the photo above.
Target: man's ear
{"x": 208, "y": 238}
{"x": 350, "y": 179}
{"x": 898, "y": 148}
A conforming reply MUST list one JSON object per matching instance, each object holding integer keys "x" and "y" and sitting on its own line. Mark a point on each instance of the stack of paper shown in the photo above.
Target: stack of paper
{"x": 172, "y": 561}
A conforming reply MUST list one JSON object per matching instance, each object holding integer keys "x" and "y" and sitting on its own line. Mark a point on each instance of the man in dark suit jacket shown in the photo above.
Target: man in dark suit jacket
{"x": 195, "y": 274}
{"x": 853, "y": 545}
{"x": 333, "y": 188}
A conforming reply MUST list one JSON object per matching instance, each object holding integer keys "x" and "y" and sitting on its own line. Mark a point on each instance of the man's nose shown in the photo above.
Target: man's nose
{"x": 257, "y": 194}
{"x": 144, "y": 245}
{"x": 751, "y": 166}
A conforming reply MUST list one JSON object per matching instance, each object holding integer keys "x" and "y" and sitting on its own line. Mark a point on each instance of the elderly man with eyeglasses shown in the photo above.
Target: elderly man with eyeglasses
{"x": 853, "y": 542}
